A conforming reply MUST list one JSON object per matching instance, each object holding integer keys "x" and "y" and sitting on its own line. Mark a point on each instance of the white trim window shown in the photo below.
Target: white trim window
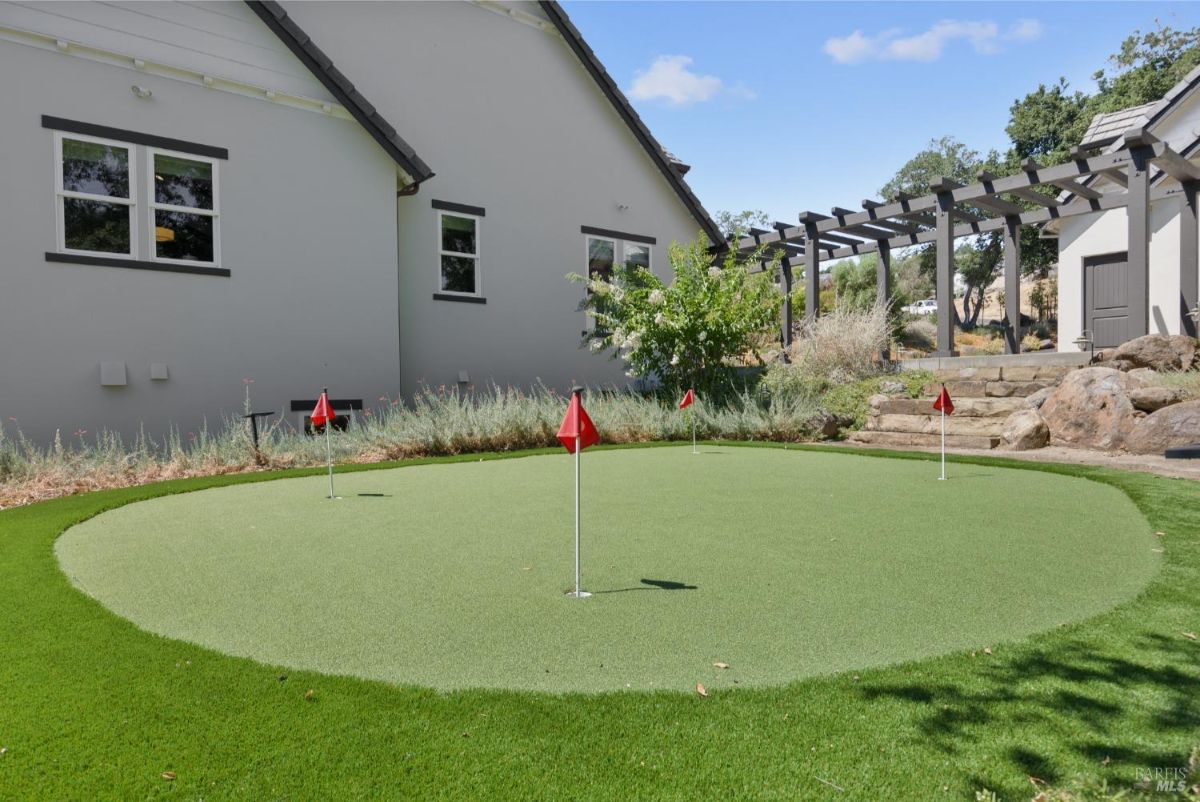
{"x": 601, "y": 257}
{"x": 184, "y": 213}
{"x": 638, "y": 254}
{"x": 95, "y": 183}
{"x": 458, "y": 253}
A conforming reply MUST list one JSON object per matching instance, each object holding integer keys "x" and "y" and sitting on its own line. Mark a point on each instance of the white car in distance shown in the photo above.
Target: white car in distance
{"x": 925, "y": 307}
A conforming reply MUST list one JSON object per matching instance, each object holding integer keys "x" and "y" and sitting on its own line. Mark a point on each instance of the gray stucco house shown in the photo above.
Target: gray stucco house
{"x": 369, "y": 196}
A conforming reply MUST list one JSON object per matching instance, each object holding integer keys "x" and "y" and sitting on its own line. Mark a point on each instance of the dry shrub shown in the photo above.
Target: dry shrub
{"x": 437, "y": 423}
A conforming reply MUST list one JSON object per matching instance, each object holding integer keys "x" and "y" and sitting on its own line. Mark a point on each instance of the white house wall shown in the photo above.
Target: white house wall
{"x": 220, "y": 39}
{"x": 1107, "y": 232}
{"x": 509, "y": 120}
{"x": 307, "y": 229}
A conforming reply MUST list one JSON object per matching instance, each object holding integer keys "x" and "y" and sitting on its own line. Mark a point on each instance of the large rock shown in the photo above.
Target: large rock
{"x": 1036, "y": 400}
{"x": 1177, "y": 425}
{"x": 1025, "y": 430}
{"x": 1152, "y": 399}
{"x": 1091, "y": 409}
{"x": 1158, "y": 351}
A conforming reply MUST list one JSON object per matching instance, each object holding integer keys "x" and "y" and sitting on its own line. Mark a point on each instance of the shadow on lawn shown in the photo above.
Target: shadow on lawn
{"x": 1108, "y": 697}
{"x": 655, "y": 584}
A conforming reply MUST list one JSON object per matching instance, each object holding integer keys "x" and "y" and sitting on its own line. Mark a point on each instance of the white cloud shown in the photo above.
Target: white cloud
{"x": 1026, "y": 30}
{"x": 671, "y": 78}
{"x": 984, "y": 37}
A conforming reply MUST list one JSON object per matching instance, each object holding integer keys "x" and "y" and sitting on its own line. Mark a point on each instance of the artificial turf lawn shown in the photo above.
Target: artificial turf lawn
{"x": 781, "y": 565}
{"x": 93, "y": 708}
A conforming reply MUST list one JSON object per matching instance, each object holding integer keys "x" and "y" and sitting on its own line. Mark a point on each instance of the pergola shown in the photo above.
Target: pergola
{"x": 953, "y": 210}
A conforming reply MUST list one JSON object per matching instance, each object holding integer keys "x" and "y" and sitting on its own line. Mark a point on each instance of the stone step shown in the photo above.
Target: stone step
{"x": 932, "y": 424}
{"x": 927, "y": 440}
{"x": 987, "y": 389}
{"x": 1009, "y": 373}
{"x": 964, "y": 407}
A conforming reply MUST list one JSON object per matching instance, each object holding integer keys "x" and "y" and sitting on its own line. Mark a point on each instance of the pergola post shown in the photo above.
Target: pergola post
{"x": 1189, "y": 259}
{"x": 1012, "y": 285}
{"x": 1139, "y": 240}
{"x": 812, "y": 272}
{"x": 944, "y": 248}
{"x": 785, "y": 313}
{"x": 883, "y": 285}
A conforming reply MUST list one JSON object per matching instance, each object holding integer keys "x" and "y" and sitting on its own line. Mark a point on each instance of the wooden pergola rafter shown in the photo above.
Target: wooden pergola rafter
{"x": 952, "y": 210}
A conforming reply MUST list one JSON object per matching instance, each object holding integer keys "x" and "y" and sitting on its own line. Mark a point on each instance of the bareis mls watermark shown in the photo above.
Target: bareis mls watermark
{"x": 1165, "y": 779}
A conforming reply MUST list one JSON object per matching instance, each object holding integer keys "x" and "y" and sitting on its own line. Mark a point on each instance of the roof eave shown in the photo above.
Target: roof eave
{"x": 609, "y": 87}
{"x": 322, "y": 68}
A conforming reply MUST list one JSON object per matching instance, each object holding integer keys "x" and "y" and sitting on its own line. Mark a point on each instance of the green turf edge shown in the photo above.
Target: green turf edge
{"x": 1128, "y": 686}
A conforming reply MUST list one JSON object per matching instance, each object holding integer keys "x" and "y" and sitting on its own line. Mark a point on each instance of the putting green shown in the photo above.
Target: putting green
{"x": 781, "y": 564}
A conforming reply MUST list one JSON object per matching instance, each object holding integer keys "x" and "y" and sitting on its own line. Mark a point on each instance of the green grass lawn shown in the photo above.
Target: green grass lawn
{"x": 94, "y": 708}
{"x": 785, "y": 565}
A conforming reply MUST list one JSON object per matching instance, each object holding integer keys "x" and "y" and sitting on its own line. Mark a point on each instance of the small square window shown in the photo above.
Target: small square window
{"x": 637, "y": 255}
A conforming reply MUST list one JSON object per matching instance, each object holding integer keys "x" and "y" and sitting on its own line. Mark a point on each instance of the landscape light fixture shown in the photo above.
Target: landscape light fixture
{"x": 1086, "y": 342}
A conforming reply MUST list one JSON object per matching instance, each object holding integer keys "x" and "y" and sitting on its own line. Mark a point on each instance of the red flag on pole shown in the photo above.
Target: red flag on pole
{"x": 944, "y": 402}
{"x": 689, "y": 398}
{"x": 576, "y": 423}
{"x": 322, "y": 412}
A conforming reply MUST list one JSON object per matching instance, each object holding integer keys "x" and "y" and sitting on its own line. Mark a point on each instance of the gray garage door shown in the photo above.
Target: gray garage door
{"x": 1106, "y": 299}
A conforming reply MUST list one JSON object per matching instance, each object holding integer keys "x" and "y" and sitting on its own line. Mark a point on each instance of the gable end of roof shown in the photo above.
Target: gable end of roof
{"x": 322, "y": 68}
{"x": 610, "y": 89}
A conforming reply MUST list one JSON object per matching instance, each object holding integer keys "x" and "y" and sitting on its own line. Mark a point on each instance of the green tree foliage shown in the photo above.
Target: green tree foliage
{"x": 1046, "y": 124}
{"x": 1146, "y": 67}
{"x": 739, "y": 223}
{"x": 686, "y": 333}
{"x": 941, "y": 158}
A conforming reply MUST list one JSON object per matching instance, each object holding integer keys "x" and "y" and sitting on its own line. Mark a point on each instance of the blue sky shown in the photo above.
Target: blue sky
{"x": 793, "y": 106}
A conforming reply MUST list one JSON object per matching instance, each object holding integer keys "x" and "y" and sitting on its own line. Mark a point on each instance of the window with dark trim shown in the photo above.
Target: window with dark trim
{"x": 458, "y": 253}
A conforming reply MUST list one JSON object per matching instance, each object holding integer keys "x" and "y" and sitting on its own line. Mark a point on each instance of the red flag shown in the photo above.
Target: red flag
{"x": 576, "y": 423}
{"x": 689, "y": 398}
{"x": 322, "y": 412}
{"x": 944, "y": 403}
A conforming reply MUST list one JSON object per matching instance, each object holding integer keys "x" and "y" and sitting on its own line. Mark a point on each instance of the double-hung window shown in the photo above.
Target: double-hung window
{"x": 183, "y": 203}
{"x": 96, "y": 196}
{"x": 458, "y": 252}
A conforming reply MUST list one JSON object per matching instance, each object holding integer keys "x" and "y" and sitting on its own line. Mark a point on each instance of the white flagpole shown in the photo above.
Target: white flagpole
{"x": 692, "y": 415}
{"x": 328, "y": 445}
{"x": 943, "y": 476}
{"x": 578, "y": 590}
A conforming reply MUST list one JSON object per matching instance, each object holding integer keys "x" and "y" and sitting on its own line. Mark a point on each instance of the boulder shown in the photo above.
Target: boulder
{"x": 1158, "y": 351}
{"x": 1036, "y": 400}
{"x": 891, "y": 387}
{"x": 1170, "y": 427}
{"x": 1025, "y": 430}
{"x": 1152, "y": 399}
{"x": 1144, "y": 376}
{"x": 1117, "y": 364}
{"x": 1091, "y": 409}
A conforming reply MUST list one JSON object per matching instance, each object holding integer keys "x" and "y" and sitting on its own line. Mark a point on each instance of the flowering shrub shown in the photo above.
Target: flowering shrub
{"x": 690, "y": 332}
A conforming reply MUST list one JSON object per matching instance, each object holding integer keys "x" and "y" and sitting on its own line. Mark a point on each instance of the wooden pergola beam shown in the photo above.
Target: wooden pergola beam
{"x": 1025, "y": 193}
{"x": 918, "y": 209}
{"x": 875, "y": 231}
{"x": 1111, "y": 200}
